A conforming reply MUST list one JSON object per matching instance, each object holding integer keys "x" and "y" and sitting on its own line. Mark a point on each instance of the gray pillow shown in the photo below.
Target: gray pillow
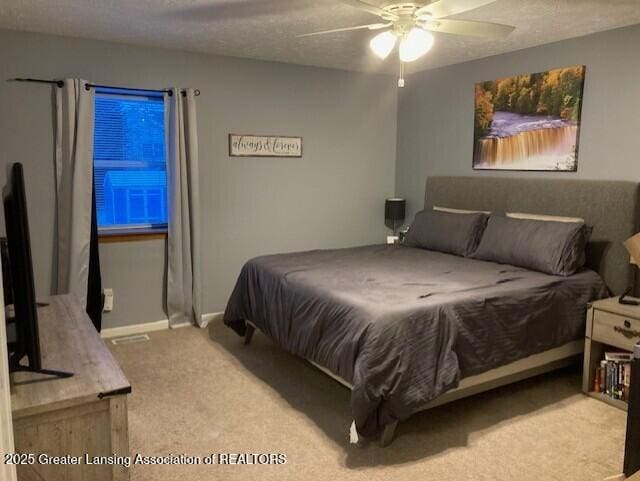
{"x": 556, "y": 248}
{"x": 446, "y": 232}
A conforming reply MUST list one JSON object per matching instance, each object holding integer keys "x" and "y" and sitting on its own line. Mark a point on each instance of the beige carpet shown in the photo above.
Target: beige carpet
{"x": 198, "y": 392}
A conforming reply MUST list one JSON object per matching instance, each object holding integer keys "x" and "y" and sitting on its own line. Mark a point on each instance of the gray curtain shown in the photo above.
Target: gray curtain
{"x": 183, "y": 249}
{"x": 74, "y": 185}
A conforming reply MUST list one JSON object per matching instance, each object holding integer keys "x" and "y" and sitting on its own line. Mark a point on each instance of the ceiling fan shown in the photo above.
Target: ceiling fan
{"x": 411, "y": 23}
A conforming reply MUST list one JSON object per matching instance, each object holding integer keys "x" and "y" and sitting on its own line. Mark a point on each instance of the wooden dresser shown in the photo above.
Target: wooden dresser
{"x": 84, "y": 414}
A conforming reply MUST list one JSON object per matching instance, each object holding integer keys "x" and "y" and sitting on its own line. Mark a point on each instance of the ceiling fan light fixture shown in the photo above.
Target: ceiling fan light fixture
{"x": 415, "y": 44}
{"x": 383, "y": 43}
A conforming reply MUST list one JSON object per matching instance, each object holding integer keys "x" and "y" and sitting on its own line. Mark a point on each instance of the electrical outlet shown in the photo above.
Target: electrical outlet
{"x": 108, "y": 300}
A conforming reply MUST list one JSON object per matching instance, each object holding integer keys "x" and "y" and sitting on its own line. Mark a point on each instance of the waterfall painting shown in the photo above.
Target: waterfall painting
{"x": 529, "y": 122}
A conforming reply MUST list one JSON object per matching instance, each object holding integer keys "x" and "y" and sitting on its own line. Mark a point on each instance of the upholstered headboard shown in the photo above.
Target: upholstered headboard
{"x": 611, "y": 207}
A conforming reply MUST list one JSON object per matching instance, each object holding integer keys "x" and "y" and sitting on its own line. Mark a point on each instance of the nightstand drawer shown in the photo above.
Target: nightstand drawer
{"x": 615, "y": 330}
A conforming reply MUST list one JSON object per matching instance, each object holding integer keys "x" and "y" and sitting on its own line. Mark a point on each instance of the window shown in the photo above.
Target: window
{"x": 129, "y": 158}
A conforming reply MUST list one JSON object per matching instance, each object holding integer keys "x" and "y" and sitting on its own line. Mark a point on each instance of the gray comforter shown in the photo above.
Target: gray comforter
{"x": 404, "y": 325}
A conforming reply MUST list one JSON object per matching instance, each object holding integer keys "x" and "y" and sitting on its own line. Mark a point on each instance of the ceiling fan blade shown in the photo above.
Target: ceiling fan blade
{"x": 446, "y": 8}
{"x": 367, "y": 7}
{"x": 372, "y": 26}
{"x": 470, "y": 28}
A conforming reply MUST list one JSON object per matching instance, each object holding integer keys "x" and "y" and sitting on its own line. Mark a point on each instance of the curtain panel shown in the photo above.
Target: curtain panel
{"x": 183, "y": 294}
{"x": 78, "y": 268}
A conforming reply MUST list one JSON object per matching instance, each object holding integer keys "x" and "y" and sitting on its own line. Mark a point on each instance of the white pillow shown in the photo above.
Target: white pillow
{"x": 552, "y": 218}
{"x": 460, "y": 211}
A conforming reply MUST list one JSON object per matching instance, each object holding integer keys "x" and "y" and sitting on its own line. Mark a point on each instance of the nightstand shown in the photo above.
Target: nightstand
{"x": 610, "y": 326}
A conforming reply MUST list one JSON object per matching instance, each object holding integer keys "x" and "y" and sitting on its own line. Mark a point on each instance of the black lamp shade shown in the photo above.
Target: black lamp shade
{"x": 394, "y": 209}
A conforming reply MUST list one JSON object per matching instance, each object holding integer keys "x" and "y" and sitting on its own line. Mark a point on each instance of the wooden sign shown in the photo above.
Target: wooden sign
{"x": 264, "y": 146}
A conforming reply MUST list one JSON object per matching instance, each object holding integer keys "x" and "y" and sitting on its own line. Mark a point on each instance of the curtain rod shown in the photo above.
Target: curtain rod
{"x": 60, "y": 83}
{"x": 196, "y": 92}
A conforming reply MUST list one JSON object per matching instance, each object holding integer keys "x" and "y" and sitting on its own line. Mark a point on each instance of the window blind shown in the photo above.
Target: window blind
{"x": 129, "y": 160}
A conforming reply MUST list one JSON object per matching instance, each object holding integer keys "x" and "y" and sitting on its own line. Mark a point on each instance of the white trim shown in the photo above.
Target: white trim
{"x": 135, "y": 329}
{"x": 212, "y": 316}
{"x": 182, "y": 324}
{"x": 154, "y": 326}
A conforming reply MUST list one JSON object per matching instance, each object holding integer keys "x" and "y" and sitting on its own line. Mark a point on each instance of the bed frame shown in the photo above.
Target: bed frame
{"x": 611, "y": 207}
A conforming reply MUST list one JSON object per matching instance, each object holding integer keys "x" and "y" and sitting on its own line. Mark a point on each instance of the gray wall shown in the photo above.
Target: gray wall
{"x": 332, "y": 197}
{"x": 435, "y": 112}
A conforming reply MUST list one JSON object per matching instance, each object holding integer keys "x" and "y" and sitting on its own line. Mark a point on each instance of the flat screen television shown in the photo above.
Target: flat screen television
{"x": 20, "y": 273}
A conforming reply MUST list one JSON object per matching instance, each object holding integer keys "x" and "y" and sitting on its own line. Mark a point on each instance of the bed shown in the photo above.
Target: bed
{"x": 407, "y": 329}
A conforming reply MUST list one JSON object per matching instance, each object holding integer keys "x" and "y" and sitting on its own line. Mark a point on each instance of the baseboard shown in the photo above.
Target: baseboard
{"x": 154, "y": 326}
{"x": 135, "y": 329}
{"x": 212, "y": 316}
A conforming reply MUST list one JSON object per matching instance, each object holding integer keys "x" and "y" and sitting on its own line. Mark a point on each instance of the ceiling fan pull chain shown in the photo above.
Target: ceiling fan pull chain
{"x": 401, "y": 78}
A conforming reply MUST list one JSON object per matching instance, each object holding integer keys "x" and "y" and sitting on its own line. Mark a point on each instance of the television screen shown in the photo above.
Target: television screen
{"x": 18, "y": 270}
{"x": 21, "y": 272}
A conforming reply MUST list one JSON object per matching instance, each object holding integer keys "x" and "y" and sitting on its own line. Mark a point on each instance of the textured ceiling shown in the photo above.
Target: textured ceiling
{"x": 267, "y": 29}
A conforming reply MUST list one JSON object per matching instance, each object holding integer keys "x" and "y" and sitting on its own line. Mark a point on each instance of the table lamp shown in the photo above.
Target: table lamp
{"x": 632, "y": 244}
{"x": 394, "y": 213}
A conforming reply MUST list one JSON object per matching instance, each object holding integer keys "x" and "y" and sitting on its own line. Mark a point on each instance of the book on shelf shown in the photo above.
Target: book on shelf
{"x": 613, "y": 376}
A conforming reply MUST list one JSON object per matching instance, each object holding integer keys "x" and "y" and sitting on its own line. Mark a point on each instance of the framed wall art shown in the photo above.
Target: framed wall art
{"x": 529, "y": 122}
{"x": 241, "y": 145}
